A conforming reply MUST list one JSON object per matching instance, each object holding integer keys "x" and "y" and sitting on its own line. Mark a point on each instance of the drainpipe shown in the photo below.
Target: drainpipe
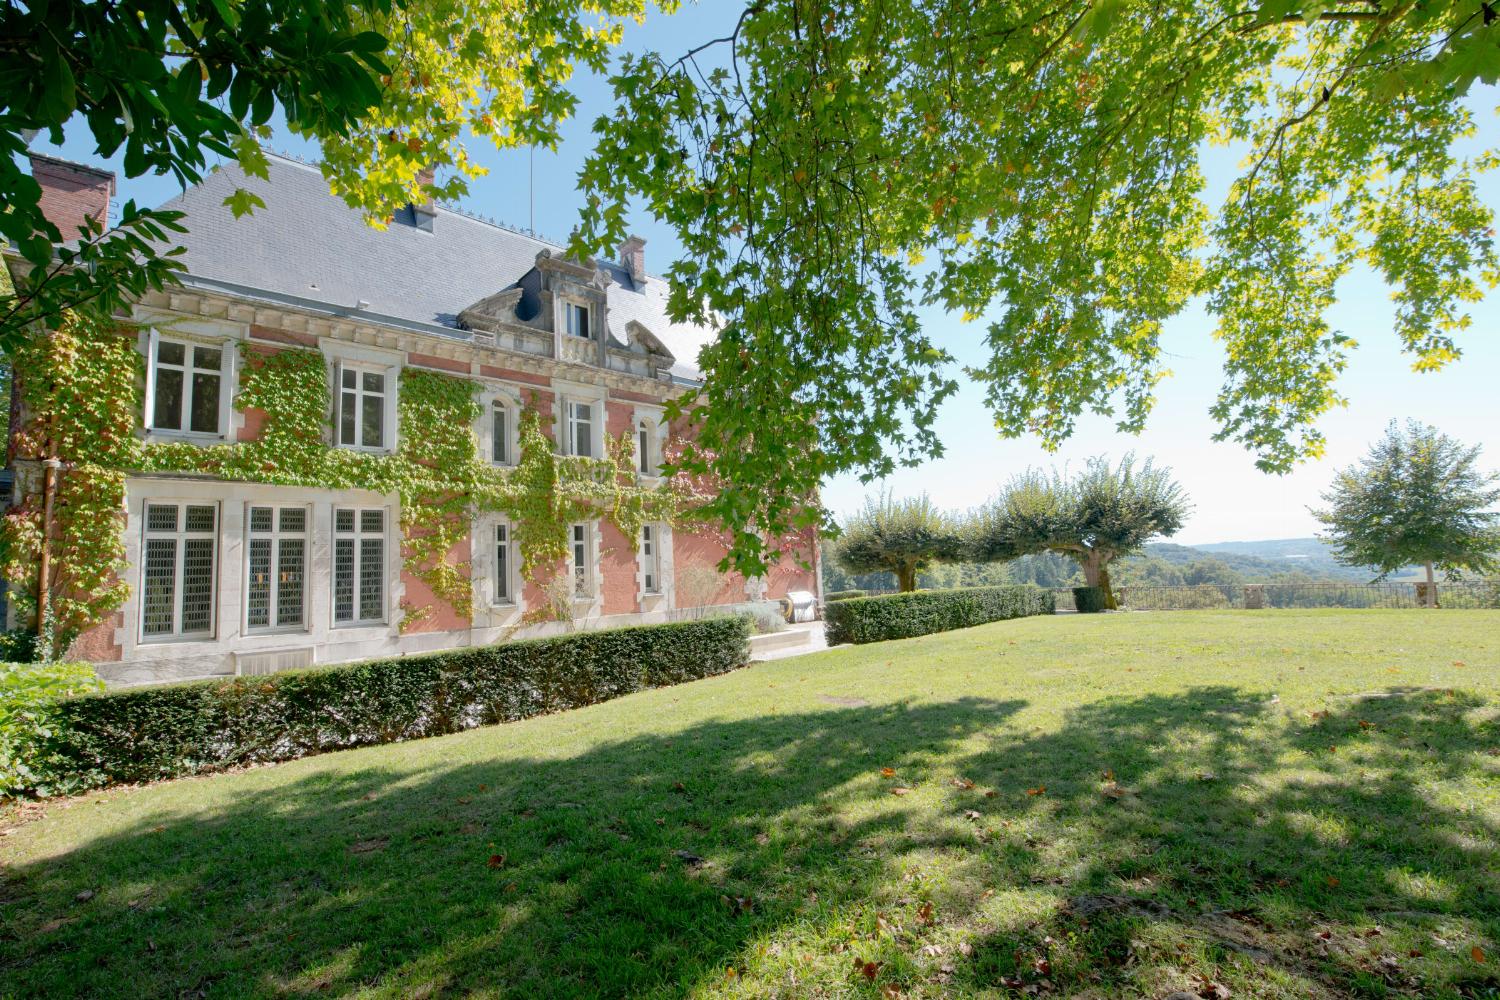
{"x": 50, "y": 468}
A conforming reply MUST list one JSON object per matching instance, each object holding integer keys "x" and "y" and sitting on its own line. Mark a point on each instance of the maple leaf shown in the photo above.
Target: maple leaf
{"x": 925, "y": 914}
{"x": 887, "y": 772}
{"x": 867, "y": 969}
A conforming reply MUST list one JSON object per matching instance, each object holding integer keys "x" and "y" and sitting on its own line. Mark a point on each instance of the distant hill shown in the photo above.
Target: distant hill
{"x": 1259, "y": 560}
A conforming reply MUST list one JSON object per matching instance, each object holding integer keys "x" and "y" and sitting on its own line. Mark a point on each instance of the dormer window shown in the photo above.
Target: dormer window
{"x": 577, "y": 319}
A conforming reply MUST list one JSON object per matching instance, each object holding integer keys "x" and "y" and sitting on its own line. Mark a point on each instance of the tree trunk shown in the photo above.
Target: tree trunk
{"x": 906, "y": 579}
{"x": 1096, "y": 574}
{"x": 1431, "y": 588}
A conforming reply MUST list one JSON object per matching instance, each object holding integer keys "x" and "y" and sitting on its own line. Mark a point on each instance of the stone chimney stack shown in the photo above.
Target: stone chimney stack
{"x": 72, "y": 193}
{"x": 633, "y": 256}
{"x": 426, "y": 209}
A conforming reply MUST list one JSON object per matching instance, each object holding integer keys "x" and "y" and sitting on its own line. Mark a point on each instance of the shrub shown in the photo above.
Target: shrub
{"x": 1089, "y": 599}
{"x": 18, "y": 645}
{"x": 844, "y": 595}
{"x": 901, "y": 616}
{"x": 145, "y": 734}
{"x": 26, "y": 692}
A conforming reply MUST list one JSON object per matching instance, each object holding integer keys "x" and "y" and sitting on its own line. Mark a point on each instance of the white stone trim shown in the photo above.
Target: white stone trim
{"x": 487, "y": 612}
{"x": 579, "y": 392}
{"x": 661, "y": 599}
{"x": 655, "y": 418}
{"x": 489, "y": 392}
{"x": 592, "y": 605}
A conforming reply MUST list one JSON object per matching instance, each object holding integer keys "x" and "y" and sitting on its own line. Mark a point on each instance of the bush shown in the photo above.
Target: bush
{"x": 1089, "y": 599}
{"x": 844, "y": 595}
{"x": 18, "y": 645}
{"x": 901, "y": 616}
{"x": 145, "y": 734}
{"x": 26, "y": 692}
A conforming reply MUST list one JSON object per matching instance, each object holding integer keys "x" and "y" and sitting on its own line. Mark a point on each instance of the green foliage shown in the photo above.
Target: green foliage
{"x": 27, "y": 692}
{"x": 1093, "y": 518}
{"x": 902, "y": 537}
{"x": 1417, "y": 497}
{"x": 832, "y": 172}
{"x": 146, "y": 734}
{"x": 1089, "y": 600}
{"x": 844, "y": 595}
{"x": 902, "y": 616}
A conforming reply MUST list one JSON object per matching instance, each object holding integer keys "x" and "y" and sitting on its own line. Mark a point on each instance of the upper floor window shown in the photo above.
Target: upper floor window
{"x": 185, "y": 386}
{"x": 580, "y": 428}
{"x": 502, "y": 429}
{"x": 645, "y": 447}
{"x": 362, "y": 407}
{"x": 178, "y": 561}
{"x": 577, "y": 318}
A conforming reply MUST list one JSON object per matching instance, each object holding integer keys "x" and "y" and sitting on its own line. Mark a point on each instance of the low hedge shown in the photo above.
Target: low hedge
{"x": 145, "y": 734}
{"x": 1089, "y": 600}
{"x": 901, "y": 616}
{"x": 844, "y": 595}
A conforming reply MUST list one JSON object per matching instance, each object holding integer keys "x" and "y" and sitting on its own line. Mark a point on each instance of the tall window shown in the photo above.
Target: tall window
{"x": 361, "y": 408}
{"x": 583, "y": 563}
{"x": 186, "y": 383}
{"x": 580, "y": 429}
{"x": 276, "y": 591}
{"x": 578, "y": 319}
{"x": 651, "y": 558}
{"x": 177, "y": 570}
{"x": 502, "y": 565}
{"x": 500, "y": 428}
{"x": 643, "y": 449}
{"x": 358, "y": 566}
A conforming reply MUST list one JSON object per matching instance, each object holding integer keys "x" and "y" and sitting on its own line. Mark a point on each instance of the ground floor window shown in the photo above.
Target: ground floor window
{"x": 583, "y": 560}
{"x": 276, "y": 564}
{"x": 651, "y": 558}
{"x": 503, "y": 562}
{"x": 359, "y": 570}
{"x": 179, "y": 556}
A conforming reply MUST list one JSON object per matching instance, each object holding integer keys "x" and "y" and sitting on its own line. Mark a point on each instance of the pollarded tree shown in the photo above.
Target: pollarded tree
{"x": 902, "y": 537}
{"x": 1093, "y": 518}
{"x": 1417, "y": 498}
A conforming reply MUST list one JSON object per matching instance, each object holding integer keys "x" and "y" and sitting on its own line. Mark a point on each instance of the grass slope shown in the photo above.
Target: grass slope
{"x": 1305, "y": 804}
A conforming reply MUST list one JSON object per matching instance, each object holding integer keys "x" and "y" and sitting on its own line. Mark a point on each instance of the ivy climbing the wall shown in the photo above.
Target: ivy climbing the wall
{"x": 81, "y": 389}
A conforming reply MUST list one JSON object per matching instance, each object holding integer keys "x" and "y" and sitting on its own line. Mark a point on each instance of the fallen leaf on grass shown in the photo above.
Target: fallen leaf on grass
{"x": 496, "y": 861}
{"x": 1042, "y": 967}
{"x": 890, "y": 991}
{"x": 867, "y": 969}
{"x": 900, "y": 790}
{"x": 963, "y": 783}
{"x": 688, "y": 858}
{"x": 1113, "y": 791}
{"x": 88, "y": 894}
{"x": 1210, "y": 990}
{"x": 991, "y": 794}
{"x": 925, "y": 914}
{"x": 887, "y": 772}
{"x": 737, "y": 904}
{"x": 1477, "y": 954}
{"x": 972, "y": 815}
{"x": 1333, "y": 883}
{"x": 367, "y": 846}
{"x": 1038, "y": 790}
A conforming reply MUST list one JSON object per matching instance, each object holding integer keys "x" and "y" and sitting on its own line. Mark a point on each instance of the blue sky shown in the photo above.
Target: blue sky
{"x": 1232, "y": 499}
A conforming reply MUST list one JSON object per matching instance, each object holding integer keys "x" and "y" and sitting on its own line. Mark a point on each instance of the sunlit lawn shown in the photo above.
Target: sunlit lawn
{"x": 1280, "y": 804}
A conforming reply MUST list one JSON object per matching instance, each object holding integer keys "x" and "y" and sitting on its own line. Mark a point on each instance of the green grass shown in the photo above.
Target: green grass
{"x": 1307, "y": 805}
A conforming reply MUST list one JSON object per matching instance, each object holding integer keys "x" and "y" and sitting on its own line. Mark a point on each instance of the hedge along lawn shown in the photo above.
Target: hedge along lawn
{"x": 1280, "y": 803}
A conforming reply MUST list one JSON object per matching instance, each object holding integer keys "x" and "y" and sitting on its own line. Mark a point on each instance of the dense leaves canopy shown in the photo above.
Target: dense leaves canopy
{"x": 1420, "y": 498}
{"x": 902, "y": 537}
{"x": 830, "y": 168}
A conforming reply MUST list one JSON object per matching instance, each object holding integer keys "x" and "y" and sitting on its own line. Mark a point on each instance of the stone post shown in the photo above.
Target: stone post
{"x": 1255, "y": 596}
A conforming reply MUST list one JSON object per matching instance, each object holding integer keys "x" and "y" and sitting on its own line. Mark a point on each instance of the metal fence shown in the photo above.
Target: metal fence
{"x": 1456, "y": 596}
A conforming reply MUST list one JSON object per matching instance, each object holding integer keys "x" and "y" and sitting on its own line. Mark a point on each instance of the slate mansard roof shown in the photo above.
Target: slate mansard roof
{"x": 307, "y": 246}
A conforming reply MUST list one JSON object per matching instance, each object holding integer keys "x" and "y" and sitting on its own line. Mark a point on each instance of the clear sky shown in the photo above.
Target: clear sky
{"x": 1233, "y": 500}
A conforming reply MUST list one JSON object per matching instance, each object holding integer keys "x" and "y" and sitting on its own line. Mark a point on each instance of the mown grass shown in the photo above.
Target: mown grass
{"x": 1303, "y": 804}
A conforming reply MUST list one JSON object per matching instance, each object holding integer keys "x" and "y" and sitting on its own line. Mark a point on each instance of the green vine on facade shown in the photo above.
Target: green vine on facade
{"x": 82, "y": 396}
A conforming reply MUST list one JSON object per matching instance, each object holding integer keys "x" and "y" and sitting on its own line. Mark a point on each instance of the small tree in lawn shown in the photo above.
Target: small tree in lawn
{"x": 1418, "y": 497}
{"x": 902, "y": 537}
{"x": 1094, "y": 518}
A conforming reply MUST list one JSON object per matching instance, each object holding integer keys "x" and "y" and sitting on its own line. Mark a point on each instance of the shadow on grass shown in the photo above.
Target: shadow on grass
{"x": 652, "y": 865}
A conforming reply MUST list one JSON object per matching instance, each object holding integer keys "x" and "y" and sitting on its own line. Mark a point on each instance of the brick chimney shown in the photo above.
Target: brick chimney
{"x": 633, "y": 256}
{"x": 72, "y": 192}
{"x": 425, "y": 210}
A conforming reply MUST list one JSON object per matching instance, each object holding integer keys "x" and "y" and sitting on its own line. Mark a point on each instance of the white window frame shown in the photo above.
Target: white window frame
{"x": 153, "y": 340}
{"x": 485, "y": 430}
{"x": 342, "y": 354}
{"x": 276, "y": 535}
{"x": 360, "y": 393}
{"x": 582, "y": 553}
{"x": 503, "y": 576}
{"x": 651, "y": 420}
{"x": 570, "y": 422}
{"x": 651, "y": 561}
{"x": 576, "y": 307}
{"x": 358, "y": 534}
{"x": 180, "y": 536}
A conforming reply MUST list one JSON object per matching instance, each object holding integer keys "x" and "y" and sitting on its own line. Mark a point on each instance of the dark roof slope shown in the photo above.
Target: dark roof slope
{"x": 307, "y": 244}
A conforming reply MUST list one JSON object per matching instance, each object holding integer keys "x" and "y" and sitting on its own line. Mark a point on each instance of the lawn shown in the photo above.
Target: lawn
{"x": 1277, "y": 804}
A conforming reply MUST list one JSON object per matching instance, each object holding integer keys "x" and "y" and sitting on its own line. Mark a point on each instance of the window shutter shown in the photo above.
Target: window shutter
{"x": 152, "y": 339}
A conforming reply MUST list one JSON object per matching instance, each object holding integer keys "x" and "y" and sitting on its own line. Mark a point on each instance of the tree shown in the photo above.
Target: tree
{"x": 1417, "y": 498}
{"x": 903, "y": 537}
{"x": 387, "y": 86}
{"x": 1094, "y": 518}
{"x": 832, "y": 169}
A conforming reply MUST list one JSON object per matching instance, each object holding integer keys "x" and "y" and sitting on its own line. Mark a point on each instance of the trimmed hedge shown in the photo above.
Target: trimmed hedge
{"x": 901, "y": 616}
{"x": 145, "y": 734}
{"x": 844, "y": 595}
{"x": 1088, "y": 600}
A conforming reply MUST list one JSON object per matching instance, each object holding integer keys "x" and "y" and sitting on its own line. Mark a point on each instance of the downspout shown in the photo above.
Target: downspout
{"x": 50, "y": 467}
